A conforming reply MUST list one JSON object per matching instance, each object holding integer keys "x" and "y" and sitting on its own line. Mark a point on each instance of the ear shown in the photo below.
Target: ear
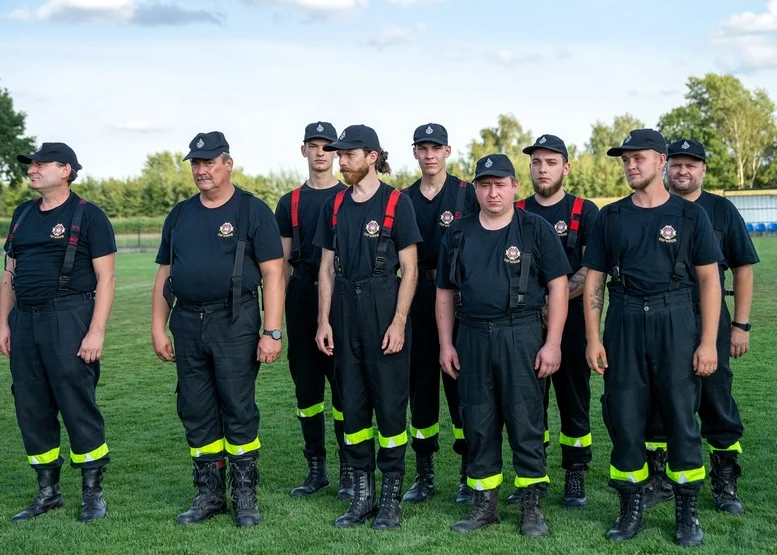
{"x": 304, "y": 150}
{"x": 229, "y": 164}
{"x": 372, "y": 157}
{"x": 447, "y": 151}
{"x": 415, "y": 153}
{"x": 64, "y": 171}
{"x": 566, "y": 169}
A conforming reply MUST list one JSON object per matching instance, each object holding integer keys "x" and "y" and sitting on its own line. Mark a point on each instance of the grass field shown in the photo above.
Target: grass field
{"x": 149, "y": 479}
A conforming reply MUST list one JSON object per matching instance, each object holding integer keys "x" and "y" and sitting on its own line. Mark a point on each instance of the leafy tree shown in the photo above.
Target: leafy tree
{"x": 12, "y": 141}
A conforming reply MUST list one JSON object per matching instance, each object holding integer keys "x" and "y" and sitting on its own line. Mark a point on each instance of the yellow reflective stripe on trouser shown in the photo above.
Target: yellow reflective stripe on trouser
{"x": 393, "y": 441}
{"x": 98, "y": 453}
{"x": 242, "y": 449}
{"x": 458, "y": 433}
{"x": 310, "y": 411}
{"x": 584, "y": 441}
{"x": 526, "y": 482}
{"x": 736, "y": 447}
{"x": 358, "y": 437}
{"x": 44, "y": 458}
{"x": 425, "y": 433}
{"x": 655, "y": 445}
{"x": 482, "y": 484}
{"x": 337, "y": 415}
{"x": 685, "y": 476}
{"x": 546, "y": 437}
{"x": 215, "y": 448}
{"x": 635, "y": 476}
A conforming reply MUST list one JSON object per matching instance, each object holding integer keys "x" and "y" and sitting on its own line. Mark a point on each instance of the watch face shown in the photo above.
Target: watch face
{"x": 276, "y": 334}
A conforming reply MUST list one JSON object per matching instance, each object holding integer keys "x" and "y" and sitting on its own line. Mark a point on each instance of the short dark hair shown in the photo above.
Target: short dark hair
{"x": 73, "y": 173}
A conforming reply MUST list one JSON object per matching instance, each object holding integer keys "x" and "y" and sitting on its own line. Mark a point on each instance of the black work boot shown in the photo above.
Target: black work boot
{"x": 49, "y": 495}
{"x": 466, "y": 494}
{"x": 316, "y": 479}
{"x": 532, "y": 521}
{"x": 514, "y": 499}
{"x": 484, "y": 512}
{"x": 345, "y": 490}
{"x": 574, "y": 488}
{"x": 687, "y": 528}
{"x": 724, "y": 472}
{"x": 658, "y": 489}
{"x": 92, "y": 504}
{"x": 363, "y": 505}
{"x": 630, "y": 521}
{"x": 424, "y": 480}
{"x": 243, "y": 481}
{"x": 210, "y": 479}
{"x": 390, "y": 507}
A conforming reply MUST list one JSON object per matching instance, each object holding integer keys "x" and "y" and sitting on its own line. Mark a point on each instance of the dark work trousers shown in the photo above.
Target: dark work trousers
{"x": 721, "y": 424}
{"x": 425, "y": 377}
{"x": 573, "y": 392}
{"x": 499, "y": 386}
{"x": 310, "y": 368}
{"x": 650, "y": 344}
{"x": 49, "y": 378}
{"x": 367, "y": 379}
{"x": 217, "y": 370}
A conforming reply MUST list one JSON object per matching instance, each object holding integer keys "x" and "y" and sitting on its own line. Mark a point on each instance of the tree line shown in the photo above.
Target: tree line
{"x": 736, "y": 125}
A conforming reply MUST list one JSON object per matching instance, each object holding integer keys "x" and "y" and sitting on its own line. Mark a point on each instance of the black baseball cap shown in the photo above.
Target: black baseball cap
{"x": 495, "y": 165}
{"x": 687, "y": 147}
{"x": 356, "y": 136}
{"x": 548, "y": 142}
{"x": 641, "y": 139}
{"x": 431, "y": 133}
{"x": 207, "y": 146}
{"x": 320, "y": 130}
{"x": 52, "y": 152}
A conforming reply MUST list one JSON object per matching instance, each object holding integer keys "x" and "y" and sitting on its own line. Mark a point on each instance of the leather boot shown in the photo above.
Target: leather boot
{"x": 574, "y": 488}
{"x": 724, "y": 472}
{"x": 243, "y": 481}
{"x": 466, "y": 494}
{"x": 423, "y": 487}
{"x": 316, "y": 479}
{"x": 390, "y": 508}
{"x": 514, "y": 499}
{"x": 49, "y": 494}
{"x": 630, "y": 521}
{"x": 92, "y": 505}
{"x": 345, "y": 489}
{"x": 210, "y": 479}
{"x": 658, "y": 489}
{"x": 532, "y": 522}
{"x": 688, "y": 531}
{"x": 363, "y": 505}
{"x": 484, "y": 512}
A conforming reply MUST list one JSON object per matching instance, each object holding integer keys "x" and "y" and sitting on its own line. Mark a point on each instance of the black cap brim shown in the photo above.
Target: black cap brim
{"x": 688, "y": 154}
{"x": 26, "y": 158}
{"x": 494, "y": 173}
{"x": 342, "y": 145}
{"x": 30, "y": 158}
{"x": 203, "y": 154}
{"x": 430, "y": 140}
{"x": 618, "y": 150}
{"x": 324, "y": 137}
{"x": 532, "y": 148}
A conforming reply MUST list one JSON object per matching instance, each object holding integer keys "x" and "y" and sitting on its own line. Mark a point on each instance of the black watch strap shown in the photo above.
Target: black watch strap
{"x": 275, "y": 334}
{"x": 741, "y": 326}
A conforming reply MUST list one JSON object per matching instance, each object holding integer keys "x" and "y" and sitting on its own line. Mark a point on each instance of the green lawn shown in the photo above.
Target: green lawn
{"x": 149, "y": 481}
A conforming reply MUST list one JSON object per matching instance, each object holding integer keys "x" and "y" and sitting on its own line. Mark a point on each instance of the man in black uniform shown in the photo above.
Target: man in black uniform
{"x": 297, "y": 214}
{"x": 572, "y": 218}
{"x": 504, "y": 262}
{"x": 653, "y": 349}
{"x": 365, "y": 234}
{"x": 217, "y": 248}
{"x": 56, "y": 295}
{"x": 439, "y": 199}
{"x": 721, "y": 425}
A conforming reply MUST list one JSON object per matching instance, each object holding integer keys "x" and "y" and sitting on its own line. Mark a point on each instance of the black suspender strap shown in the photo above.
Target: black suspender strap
{"x": 519, "y": 284}
{"x": 574, "y": 223}
{"x": 296, "y": 252}
{"x": 719, "y": 219}
{"x": 385, "y": 233}
{"x": 461, "y": 196}
{"x": 683, "y": 259}
{"x": 339, "y": 197}
{"x": 614, "y": 247}
{"x": 242, "y": 234}
{"x": 70, "y": 251}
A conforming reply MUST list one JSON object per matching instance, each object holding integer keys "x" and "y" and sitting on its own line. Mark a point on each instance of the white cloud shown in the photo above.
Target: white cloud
{"x": 745, "y": 41}
{"x": 391, "y": 35}
{"x": 320, "y": 7}
{"x": 111, "y": 11}
{"x": 509, "y": 58}
{"x": 405, "y": 3}
{"x": 749, "y": 22}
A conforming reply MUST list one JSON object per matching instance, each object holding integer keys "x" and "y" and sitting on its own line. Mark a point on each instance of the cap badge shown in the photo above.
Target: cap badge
{"x": 200, "y": 143}
{"x": 446, "y": 218}
{"x": 561, "y": 227}
{"x": 628, "y": 138}
{"x": 226, "y": 230}
{"x": 668, "y": 234}
{"x": 372, "y": 229}
{"x": 542, "y": 141}
{"x": 342, "y": 136}
{"x": 685, "y": 145}
{"x": 488, "y": 163}
{"x": 57, "y": 231}
{"x": 320, "y": 128}
{"x": 429, "y": 130}
{"x": 512, "y": 254}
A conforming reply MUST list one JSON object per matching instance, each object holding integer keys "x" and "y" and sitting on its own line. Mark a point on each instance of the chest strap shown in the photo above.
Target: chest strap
{"x": 296, "y": 249}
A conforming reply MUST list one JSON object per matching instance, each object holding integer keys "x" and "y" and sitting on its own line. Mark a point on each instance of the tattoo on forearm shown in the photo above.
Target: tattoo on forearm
{"x": 577, "y": 280}
{"x": 597, "y": 299}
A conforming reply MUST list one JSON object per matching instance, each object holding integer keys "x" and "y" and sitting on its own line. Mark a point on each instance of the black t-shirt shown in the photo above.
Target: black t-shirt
{"x": 39, "y": 246}
{"x": 435, "y": 216}
{"x": 205, "y": 243}
{"x": 737, "y": 247}
{"x": 358, "y": 229}
{"x": 559, "y": 215}
{"x": 310, "y": 203}
{"x": 488, "y": 258}
{"x": 649, "y": 241}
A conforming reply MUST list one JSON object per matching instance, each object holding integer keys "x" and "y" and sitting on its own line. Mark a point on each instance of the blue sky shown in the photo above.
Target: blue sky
{"x": 118, "y": 79}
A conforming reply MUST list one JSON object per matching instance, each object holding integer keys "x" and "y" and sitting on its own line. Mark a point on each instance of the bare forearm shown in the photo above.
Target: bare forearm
{"x": 274, "y": 296}
{"x": 445, "y": 315}
{"x": 710, "y": 301}
{"x": 743, "y": 293}
{"x": 406, "y": 292}
{"x": 106, "y": 288}
{"x": 326, "y": 280}
{"x": 593, "y": 303}
{"x": 558, "y": 304}
{"x": 159, "y": 309}
{"x": 7, "y": 298}
{"x": 577, "y": 283}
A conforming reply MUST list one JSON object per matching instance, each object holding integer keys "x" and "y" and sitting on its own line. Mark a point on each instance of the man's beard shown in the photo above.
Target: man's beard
{"x": 354, "y": 176}
{"x": 642, "y": 184}
{"x": 549, "y": 190}
{"x": 692, "y": 186}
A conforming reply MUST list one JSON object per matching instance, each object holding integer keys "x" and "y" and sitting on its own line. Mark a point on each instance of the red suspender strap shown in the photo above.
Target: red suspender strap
{"x": 574, "y": 223}
{"x": 295, "y": 207}
{"x": 338, "y": 203}
{"x": 460, "y": 200}
{"x": 296, "y": 254}
{"x": 521, "y": 204}
{"x": 391, "y": 210}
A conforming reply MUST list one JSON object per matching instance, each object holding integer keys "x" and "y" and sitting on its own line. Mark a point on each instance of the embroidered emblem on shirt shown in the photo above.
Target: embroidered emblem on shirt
{"x": 512, "y": 255}
{"x": 226, "y": 230}
{"x": 667, "y": 234}
{"x": 372, "y": 229}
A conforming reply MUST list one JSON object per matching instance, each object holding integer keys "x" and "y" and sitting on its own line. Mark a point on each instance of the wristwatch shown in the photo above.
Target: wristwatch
{"x": 745, "y": 327}
{"x": 275, "y": 334}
